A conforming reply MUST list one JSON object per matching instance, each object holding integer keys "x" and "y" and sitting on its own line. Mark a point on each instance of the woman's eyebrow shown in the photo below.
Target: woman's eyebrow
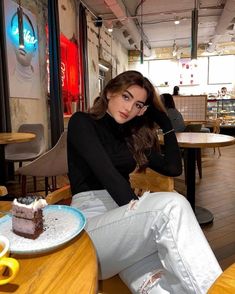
{"x": 133, "y": 97}
{"x": 129, "y": 93}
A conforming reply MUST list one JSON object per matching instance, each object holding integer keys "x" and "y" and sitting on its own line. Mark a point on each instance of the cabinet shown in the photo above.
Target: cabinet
{"x": 223, "y": 109}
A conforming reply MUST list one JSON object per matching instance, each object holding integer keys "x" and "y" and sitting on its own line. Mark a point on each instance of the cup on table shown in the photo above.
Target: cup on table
{"x": 7, "y": 262}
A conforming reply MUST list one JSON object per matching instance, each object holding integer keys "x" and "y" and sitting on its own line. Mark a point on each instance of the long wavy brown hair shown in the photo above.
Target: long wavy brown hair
{"x": 140, "y": 132}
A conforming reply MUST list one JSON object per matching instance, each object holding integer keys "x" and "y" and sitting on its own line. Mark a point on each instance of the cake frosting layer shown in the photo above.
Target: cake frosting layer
{"x": 27, "y": 216}
{"x": 31, "y": 202}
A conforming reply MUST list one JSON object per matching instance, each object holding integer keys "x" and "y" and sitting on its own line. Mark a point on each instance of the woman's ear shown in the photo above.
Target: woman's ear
{"x": 142, "y": 111}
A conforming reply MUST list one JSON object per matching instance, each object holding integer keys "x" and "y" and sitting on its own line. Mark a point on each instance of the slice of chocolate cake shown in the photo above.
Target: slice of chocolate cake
{"x": 27, "y": 216}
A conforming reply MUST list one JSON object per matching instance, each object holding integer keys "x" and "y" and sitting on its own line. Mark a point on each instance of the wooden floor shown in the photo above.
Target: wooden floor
{"x": 215, "y": 191}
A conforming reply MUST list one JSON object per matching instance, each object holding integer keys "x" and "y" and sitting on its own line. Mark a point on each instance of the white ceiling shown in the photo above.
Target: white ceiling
{"x": 216, "y": 20}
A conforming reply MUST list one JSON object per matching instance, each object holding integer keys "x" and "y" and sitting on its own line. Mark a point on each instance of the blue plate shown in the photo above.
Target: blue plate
{"x": 61, "y": 224}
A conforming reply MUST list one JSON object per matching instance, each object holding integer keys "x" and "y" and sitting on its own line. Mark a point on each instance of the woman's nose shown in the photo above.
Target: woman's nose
{"x": 129, "y": 106}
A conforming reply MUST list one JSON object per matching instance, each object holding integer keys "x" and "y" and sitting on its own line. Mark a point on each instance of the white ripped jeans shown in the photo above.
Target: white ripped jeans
{"x": 155, "y": 244}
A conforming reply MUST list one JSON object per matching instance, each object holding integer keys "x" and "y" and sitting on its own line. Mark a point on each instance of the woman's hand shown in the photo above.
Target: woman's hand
{"x": 160, "y": 117}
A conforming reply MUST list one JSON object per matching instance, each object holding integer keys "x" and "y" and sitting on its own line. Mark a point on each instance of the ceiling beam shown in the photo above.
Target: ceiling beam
{"x": 119, "y": 10}
{"x": 225, "y": 20}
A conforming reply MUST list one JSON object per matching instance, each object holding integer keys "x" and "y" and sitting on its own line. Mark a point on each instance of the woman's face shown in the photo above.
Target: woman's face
{"x": 128, "y": 104}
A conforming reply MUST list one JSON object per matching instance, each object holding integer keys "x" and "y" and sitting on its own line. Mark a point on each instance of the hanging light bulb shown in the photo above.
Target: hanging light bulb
{"x": 177, "y": 20}
{"x": 20, "y": 25}
{"x": 175, "y": 49}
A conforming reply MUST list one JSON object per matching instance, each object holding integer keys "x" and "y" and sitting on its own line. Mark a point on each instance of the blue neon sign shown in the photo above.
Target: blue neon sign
{"x": 30, "y": 40}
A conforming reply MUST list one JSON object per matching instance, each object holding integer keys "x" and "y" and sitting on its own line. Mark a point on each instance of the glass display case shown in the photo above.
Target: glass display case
{"x": 223, "y": 109}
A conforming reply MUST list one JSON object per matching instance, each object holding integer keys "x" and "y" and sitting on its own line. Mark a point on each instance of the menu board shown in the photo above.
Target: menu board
{"x": 188, "y": 72}
{"x": 193, "y": 108}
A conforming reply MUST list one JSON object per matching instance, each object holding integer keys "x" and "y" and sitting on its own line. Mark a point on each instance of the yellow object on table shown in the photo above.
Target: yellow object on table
{"x": 3, "y": 191}
{"x": 225, "y": 283}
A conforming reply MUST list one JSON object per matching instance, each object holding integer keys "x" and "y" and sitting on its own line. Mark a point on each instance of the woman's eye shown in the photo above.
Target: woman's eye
{"x": 139, "y": 105}
{"x": 125, "y": 97}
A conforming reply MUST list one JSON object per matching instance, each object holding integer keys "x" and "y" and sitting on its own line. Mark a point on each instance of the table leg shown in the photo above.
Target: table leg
{"x": 2, "y": 166}
{"x": 203, "y": 215}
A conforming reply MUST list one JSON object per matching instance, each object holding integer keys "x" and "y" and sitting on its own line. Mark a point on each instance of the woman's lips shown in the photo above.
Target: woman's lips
{"x": 123, "y": 115}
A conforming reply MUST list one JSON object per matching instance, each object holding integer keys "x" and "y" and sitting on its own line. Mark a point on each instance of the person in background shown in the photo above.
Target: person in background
{"x": 223, "y": 93}
{"x": 174, "y": 115}
{"x": 154, "y": 242}
{"x": 176, "y": 90}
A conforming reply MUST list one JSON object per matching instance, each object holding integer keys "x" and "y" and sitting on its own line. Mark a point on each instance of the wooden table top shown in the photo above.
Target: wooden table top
{"x": 203, "y": 140}
{"x": 71, "y": 268}
{"x": 9, "y": 138}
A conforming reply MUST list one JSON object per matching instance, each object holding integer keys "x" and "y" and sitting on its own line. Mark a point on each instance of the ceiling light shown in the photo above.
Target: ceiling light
{"x": 110, "y": 30}
{"x": 177, "y": 20}
{"x": 125, "y": 33}
{"x": 175, "y": 49}
{"x": 131, "y": 41}
{"x": 103, "y": 67}
{"x": 109, "y": 26}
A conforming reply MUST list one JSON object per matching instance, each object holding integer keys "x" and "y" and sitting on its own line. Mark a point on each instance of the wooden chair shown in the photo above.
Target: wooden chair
{"x": 140, "y": 182}
{"x": 214, "y": 125}
{"x": 225, "y": 283}
{"x": 216, "y": 130}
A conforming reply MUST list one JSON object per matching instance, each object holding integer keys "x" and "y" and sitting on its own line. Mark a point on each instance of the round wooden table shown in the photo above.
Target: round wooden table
{"x": 71, "y": 268}
{"x": 10, "y": 138}
{"x": 191, "y": 142}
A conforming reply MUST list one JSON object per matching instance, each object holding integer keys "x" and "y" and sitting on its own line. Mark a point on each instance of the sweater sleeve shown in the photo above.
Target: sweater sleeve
{"x": 169, "y": 162}
{"x": 84, "y": 139}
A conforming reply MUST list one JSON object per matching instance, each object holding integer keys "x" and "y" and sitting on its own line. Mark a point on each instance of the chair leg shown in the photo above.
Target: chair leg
{"x": 46, "y": 186}
{"x": 53, "y": 183}
{"x": 23, "y": 185}
{"x": 199, "y": 162}
{"x": 20, "y": 165}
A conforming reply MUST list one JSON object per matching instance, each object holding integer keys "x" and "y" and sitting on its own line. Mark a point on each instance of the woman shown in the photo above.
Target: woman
{"x": 176, "y": 90}
{"x": 155, "y": 242}
{"x": 174, "y": 115}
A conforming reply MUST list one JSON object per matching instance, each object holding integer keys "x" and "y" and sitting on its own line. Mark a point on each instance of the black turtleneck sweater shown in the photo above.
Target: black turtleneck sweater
{"x": 98, "y": 157}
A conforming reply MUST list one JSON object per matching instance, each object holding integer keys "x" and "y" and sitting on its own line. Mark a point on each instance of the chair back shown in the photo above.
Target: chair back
{"x": 149, "y": 180}
{"x": 51, "y": 163}
{"x": 141, "y": 182}
{"x": 193, "y": 128}
{"x": 27, "y": 151}
{"x": 216, "y": 126}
